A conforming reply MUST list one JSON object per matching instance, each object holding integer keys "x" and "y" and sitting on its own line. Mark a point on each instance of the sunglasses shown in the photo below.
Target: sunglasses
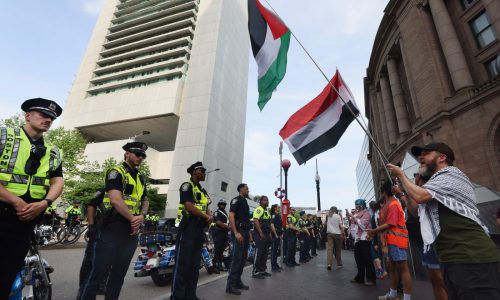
{"x": 139, "y": 154}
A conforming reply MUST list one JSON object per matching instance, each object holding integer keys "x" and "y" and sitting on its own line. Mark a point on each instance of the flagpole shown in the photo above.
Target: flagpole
{"x": 385, "y": 160}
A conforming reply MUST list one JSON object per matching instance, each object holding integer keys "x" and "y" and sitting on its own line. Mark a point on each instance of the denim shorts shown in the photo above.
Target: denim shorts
{"x": 397, "y": 254}
{"x": 430, "y": 259}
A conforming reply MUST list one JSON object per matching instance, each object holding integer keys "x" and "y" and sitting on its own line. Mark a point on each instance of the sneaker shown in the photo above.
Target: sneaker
{"x": 387, "y": 297}
{"x": 296, "y": 264}
{"x": 266, "y": 274}
{"x": 369, "y": 283}
{"x": 329, "y": 268}
{"x": 258, "y": 276}
{"x": 355, "y": 281}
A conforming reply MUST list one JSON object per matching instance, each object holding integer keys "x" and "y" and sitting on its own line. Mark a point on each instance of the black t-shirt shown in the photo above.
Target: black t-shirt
{"x": 220, "y": 215}
{"x": 114, "y": 180}
{"x": 239, "y": 206}
{"x": 278, "y": 225}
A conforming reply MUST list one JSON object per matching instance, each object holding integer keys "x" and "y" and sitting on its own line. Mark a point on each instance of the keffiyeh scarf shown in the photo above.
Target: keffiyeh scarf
{"x": 452, "y": 188}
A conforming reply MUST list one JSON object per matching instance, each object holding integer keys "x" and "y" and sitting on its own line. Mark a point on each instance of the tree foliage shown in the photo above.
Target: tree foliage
{"x": 72, "y": 145}
{"x": 16, "y": 120}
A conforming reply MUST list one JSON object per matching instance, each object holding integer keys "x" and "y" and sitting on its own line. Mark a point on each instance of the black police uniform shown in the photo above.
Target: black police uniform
{"x": 301, "y": 224}
{"x": 262, "y": 245}
{"x": 291, "y": 243}
{"x": 239, "y": 207}
{"x": 220, "y": 237}
{"x": 87, "y": 263}
{"x": 113, "y": 247}
{"x": 16, "y": 235}
{"x": 188, "y": 248}
{"x": 275, "y": 242}
{"x": 314, "y": 239}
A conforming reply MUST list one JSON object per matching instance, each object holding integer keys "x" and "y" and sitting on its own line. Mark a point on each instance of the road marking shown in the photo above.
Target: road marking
{"x": 200, "y": 283}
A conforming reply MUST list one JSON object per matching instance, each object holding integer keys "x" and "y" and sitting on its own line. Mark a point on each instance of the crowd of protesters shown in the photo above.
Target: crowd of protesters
{"x": 437, "y": 212}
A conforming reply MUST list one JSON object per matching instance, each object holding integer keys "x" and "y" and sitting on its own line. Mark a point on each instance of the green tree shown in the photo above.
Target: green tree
{"x": 16, "y": 120}
{"x": 72, "y": 145}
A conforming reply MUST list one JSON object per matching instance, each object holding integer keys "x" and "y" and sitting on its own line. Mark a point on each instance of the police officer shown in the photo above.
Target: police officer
{"x": 291, "y": 239}
{"x": 276, "y": 233}
{"x": 194, "y": 215}
{"x": 262, "y": 238}
{"x": 94, "y": 213}
{"x": 303, "y": 237}
{"x": 31, "y": 178}
{"x": 239, "y": 221}
{"x": 126, "y": 205}
{"x": 220, "y": 230}
{"x": 72, "y": 214}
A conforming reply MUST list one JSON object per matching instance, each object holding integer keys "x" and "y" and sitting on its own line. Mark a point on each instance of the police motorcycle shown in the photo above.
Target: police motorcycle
{"x": 33, "y": 281}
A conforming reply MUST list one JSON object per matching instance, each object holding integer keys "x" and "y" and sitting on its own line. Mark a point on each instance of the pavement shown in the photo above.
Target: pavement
{"x": 308, "y": 281}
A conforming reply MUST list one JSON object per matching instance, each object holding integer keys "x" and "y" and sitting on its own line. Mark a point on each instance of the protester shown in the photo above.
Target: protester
{"x": 393, "y": 226}
{"x": 448, "y": 206}
{"x": 335, "y": 236}
{"x": 362, "y": 244}
{"x": 429, "y": 259}
{"x": 376, "y": 252}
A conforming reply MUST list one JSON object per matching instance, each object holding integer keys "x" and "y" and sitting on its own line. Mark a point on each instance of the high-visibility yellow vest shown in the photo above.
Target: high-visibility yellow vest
{"x": 290, "y": 220}
{"x": 200, "y": 202}
{"x": 73, "y": 210}
{"x": 50, "y": 209}
{"x": 15, "y": 148}
{"x": 132, "y": 200}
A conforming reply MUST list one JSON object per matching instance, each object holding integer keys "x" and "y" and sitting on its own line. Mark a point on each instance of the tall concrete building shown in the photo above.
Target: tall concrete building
{"x": 434, "y": 75}
{"x": 173, "y": 74}
{"x": 364, "y": 175}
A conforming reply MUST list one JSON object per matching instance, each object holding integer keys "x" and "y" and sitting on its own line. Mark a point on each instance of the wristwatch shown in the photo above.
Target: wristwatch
{"x": 49, "y": 202}
{"x": 399, "y": 195}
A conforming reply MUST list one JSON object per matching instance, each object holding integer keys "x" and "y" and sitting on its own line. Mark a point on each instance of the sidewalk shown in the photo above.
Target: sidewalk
{"x": 309, "y": 281}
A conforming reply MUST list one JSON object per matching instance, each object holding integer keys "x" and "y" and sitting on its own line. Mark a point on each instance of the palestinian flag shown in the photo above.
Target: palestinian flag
{"x": 318, "y": 126}
{"x": 270, "y": 39}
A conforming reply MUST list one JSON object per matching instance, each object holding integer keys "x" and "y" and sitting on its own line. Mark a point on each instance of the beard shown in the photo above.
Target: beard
{"x": 429, "y": 169}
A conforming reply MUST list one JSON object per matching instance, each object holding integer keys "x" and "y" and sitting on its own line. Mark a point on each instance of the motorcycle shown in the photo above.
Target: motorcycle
{"x": 157, "y": 258}
{"x": 33, "y": 281}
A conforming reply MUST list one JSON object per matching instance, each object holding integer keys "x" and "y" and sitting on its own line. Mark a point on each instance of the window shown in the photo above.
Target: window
{"x": 467, "y": 3}
{"x": 223, "y": 186}
{"x": 493, "y": 66}
{"x": 159, "y": 181}
{"x": 482, "y": 29}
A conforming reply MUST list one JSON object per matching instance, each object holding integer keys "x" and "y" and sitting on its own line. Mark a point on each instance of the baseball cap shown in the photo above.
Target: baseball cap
{"x": 416, "y": 151}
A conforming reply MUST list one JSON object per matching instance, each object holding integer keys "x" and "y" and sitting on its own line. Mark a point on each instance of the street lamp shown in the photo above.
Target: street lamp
{"x": 214, "y": 170}
{"x": 285, "y": 164}
{"x": 145, "y": 132}
{"x": 317, "y": 179}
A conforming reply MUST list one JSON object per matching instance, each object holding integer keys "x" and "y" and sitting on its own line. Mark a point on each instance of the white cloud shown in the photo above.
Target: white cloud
{"x": 92, "y": 7}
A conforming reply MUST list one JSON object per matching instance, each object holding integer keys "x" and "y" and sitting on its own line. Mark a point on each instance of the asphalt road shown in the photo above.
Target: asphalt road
{"x": 309, "y": 281}
{"x": 67, "y": 264}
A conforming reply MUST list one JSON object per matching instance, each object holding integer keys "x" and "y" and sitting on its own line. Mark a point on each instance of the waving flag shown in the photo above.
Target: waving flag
{"x": 318, "y": 126}
{"x": 270, "y": 39}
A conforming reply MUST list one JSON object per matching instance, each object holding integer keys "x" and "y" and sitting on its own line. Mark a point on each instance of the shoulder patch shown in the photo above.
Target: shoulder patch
{"x": 259, "y": 210}
{"x": 112, "y": 174}
{"x": 185, "y": 187}
{"x": 234, "y": 201}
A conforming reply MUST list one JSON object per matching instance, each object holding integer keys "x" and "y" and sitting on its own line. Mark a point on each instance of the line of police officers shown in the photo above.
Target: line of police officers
{"x": 31, "y": 179}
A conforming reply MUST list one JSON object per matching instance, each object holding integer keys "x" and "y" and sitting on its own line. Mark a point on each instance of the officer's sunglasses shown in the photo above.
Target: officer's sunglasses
{"x": 139, "y": 154}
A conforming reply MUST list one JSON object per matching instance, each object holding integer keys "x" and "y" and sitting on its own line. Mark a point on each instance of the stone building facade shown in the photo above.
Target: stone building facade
{"x": 434, "y": 76}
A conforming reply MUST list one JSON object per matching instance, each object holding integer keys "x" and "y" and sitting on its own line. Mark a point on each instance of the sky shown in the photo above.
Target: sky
{"x": 42, "y": 44}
